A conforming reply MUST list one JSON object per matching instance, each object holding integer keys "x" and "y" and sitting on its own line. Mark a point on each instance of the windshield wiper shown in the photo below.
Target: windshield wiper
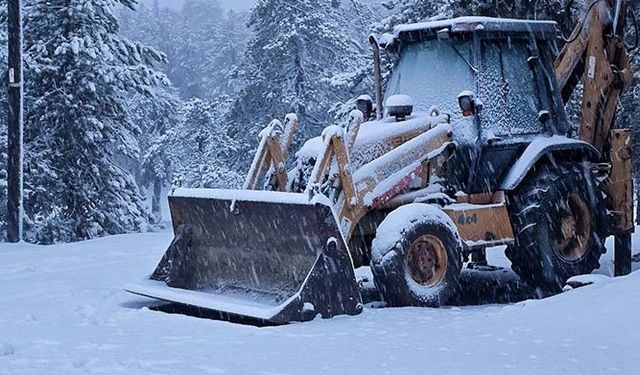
{"x": 475, "y": 70}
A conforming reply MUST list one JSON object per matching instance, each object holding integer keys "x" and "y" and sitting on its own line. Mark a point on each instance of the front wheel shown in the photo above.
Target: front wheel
{"x": 416, "y": 257}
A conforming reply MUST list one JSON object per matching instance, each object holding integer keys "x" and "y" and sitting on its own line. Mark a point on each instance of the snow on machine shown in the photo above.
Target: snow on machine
{"x": 474, "y": 150}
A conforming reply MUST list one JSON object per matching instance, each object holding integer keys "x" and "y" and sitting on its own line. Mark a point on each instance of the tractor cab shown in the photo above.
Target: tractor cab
{"x": 493, "y": 77}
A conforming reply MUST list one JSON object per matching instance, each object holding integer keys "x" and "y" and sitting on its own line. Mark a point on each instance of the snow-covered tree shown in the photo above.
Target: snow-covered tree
{"x": 407, "y": 11}
{"x": 204, "y": 155}
{"x": 80, "y": 73}
{"x": 629, "y": 114}
{"x": 202, "y": 43}
{"x": 198, "y": 31}
{"x": 301, "y": 58}
{"x": 357, "y": 78}
{"x": 204, "y": 46}
{"x": 226, "y": 55}
{"x": 157, "y": 116}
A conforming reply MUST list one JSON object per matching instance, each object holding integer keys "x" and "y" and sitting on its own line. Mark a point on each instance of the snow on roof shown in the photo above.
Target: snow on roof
{"x": 465, "y": 24}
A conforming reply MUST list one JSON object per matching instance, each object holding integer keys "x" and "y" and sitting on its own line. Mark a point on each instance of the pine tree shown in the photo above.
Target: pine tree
{"x": 356, "y": 78}
{"x": 158, "y": 117}
{"x": 198, "y": 30}
{"x": 203, "y": 154}
{"x": 226, "y": 55}
{"x": 203, "y": 45}
{"x": 293, "y": 63}
{"x": 409, "y": 11}
{"x": 77, "y": 125}
{"x": 629, "y": 114}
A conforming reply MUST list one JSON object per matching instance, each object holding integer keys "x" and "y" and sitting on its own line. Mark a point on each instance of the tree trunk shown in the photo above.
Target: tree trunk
{"x": 637, "y": 201}
{"x": 155, "y": 200}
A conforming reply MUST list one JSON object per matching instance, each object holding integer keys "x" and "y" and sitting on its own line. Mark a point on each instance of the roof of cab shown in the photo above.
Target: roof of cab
{"x": 468, "y": 24}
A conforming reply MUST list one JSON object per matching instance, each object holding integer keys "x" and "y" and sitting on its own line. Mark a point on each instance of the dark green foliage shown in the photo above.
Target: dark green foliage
{"x": 203, "y": 154}
{"x": 629, "y": 116}
{"x": 407, "y": 11}
{"x": 157, "y": 116}
{"x": 77, "y": 124}
{"x": 303, "y": 58}
{"x": 203, "y": 44}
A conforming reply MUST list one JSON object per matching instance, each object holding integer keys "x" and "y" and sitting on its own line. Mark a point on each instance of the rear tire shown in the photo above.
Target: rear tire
{"x": 556, "y": 216}
{"x": 416, "y": 257}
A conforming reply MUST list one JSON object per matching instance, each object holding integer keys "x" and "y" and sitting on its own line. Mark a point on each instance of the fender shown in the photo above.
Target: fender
{"x": 539, "y": 148}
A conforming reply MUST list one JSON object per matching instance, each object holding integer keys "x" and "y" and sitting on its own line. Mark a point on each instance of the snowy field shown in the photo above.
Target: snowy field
{"x": 63, "y": 311}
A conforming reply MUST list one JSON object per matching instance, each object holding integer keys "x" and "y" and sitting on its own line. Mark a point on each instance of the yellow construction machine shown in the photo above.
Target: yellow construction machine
{"x": 469, "y": 148}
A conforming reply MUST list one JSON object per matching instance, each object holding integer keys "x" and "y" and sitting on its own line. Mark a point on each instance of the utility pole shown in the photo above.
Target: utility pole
{"x": 15, "y": 124}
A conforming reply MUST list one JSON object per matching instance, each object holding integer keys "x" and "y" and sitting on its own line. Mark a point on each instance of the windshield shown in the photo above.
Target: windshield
{"x": 433, "y": 72}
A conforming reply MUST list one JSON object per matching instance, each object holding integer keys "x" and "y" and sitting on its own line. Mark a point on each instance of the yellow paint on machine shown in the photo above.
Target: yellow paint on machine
{"x": 486, "y": 224}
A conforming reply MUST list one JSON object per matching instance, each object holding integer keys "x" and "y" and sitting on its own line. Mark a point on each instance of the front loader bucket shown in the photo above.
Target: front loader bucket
{"x": 266, "y": 255}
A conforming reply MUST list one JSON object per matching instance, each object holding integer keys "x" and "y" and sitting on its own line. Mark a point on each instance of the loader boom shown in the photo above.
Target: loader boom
{"x": 271, "y": 155}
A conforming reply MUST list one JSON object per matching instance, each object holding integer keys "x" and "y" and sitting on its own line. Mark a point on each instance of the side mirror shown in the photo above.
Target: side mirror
{"x": 468, "y": 103}
{"x": 544, "y": 116}
{"x": 364, "y": 104}
{"x": 443, "y": 34}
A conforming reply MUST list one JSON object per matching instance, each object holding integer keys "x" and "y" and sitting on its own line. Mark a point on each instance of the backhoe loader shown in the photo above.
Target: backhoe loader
{"x": 469, "y": 148}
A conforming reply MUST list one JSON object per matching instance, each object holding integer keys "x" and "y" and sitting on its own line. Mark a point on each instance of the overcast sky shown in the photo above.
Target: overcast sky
{"x": 226, "y": 4}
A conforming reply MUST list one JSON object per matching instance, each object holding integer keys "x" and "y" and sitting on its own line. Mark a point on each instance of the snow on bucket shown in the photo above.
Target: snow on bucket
{"x": 268, "y": 255}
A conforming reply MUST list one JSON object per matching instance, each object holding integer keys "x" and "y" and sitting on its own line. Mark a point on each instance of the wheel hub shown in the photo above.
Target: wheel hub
{"x": 427, "y": 261}
{"x": 568, "y": 227}
{"x": 574, "y": 229}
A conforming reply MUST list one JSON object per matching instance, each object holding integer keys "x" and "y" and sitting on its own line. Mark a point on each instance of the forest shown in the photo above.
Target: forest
{"x": 124, "y": 101}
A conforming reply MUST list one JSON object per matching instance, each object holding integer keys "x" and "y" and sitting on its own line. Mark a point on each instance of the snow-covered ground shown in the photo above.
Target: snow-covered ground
{"x": 63, "y": 311}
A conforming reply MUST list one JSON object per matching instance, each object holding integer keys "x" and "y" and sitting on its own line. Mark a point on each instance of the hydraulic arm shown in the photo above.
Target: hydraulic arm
{"x": 595, "y": 54}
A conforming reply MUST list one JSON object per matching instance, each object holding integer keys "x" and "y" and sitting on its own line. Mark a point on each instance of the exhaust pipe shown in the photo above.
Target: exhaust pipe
{"x": 377, "y": 74}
